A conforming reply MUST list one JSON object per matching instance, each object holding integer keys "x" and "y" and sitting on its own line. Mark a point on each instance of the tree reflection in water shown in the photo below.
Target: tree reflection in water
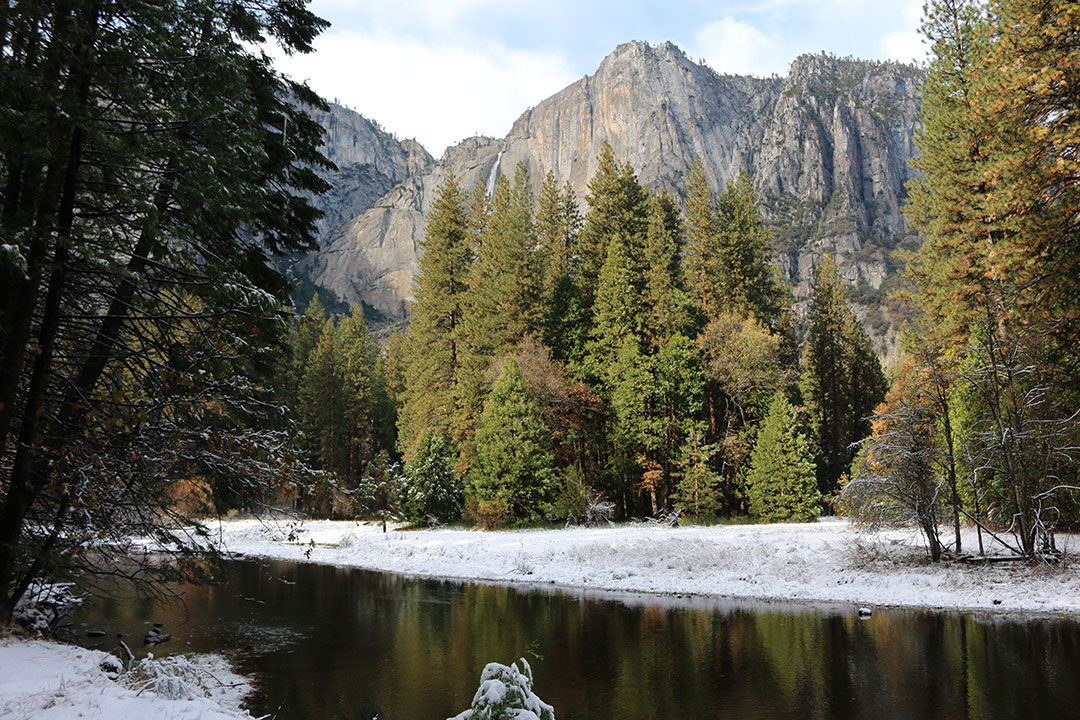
{"x": 327, "y": 642}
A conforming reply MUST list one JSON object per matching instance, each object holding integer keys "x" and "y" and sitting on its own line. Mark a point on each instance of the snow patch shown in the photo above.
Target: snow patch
{"x": 828, "y": 562}
{"x": 47, "y": 680}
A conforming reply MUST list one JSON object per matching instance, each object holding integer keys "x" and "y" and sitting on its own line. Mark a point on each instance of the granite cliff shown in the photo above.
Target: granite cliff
{"x": 369, "y": 160}
{"x": 827, "y": 148}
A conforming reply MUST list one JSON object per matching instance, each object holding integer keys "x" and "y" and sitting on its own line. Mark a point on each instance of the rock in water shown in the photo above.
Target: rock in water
{"x": 156, "y": 636}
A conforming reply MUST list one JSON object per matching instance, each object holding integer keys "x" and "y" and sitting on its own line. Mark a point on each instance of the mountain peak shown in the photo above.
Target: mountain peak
{"x": 641, "y": 52}
{"x": 827, "y": 150}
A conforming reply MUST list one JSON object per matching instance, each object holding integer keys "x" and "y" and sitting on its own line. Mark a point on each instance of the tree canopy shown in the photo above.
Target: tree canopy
{"x": 152, "y": 161}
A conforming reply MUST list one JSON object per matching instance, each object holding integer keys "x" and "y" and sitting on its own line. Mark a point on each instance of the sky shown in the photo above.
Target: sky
{"x": 443, "y": 70}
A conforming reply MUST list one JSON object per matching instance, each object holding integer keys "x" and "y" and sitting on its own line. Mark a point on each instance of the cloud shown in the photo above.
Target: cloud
{"x": 904, "y": 46}
{"x": 734, "y": 47}
{"x": 439, "y": 93}
{"x": 430, "y": 18}
{"x": 906, "y": 43}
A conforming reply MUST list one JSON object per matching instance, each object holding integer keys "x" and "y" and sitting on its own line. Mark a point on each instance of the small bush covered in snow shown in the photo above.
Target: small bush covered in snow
{"x": 181, "y": 678}
{"x": 505, "y": 693}
{"x": 43, "y": 606}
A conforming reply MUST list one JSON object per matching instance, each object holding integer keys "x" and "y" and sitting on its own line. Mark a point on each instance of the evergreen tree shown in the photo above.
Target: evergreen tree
{"x": 950, "y": 272}
{"x": 842, "y": 379}
{"x": 503, "y": 302}
{"x": 747, "y": 283}
{"x": 303, "y": 338}
{"x": 698, "y": 489}
{"x": 323, "y": 406}
{"x": 369, "y": 414}
{"x": 1029, "y": 89}
{"x": 997, "y": 202}
{"x": 379, "y": 489}
{"x": 512, "y": 475}
{"x": 431, "y": 490}
{"x": 627, "y": 386}
{"x": 515, "y": 700}
{"x": 675, "y": 405}
{"x": 132, "y": 268}
{"x": 432, "y": 356}
{"x": 702, "y": 248}
{"x": 618, "y": 309}
{"x": 617, "y": 208}
{"x": 780, "y": 481}
{"x": 558, "y": 223}
{"x": 666, "y": 306}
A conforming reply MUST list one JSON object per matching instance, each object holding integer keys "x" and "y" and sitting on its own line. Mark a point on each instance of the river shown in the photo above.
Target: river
{"x": 325, "y": 643}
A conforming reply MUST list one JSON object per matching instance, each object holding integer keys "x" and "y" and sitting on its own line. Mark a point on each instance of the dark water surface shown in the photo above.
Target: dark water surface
{"x": 325, "y": 642}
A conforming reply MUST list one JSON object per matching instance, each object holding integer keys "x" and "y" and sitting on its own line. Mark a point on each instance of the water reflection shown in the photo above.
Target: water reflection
{"x": 328, "y": 642}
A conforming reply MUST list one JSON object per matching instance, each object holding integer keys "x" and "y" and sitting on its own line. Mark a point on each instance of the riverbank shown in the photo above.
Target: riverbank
{"x": 43, "y": 680}
{"x": 827, "y": 561}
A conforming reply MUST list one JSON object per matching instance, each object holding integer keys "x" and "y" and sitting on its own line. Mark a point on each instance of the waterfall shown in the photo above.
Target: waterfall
{"x": 493, "y": 175}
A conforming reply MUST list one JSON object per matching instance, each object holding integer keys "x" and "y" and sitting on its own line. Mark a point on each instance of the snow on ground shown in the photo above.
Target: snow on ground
{"x": 827, "y": 561}
{"x": 45, "y": 680}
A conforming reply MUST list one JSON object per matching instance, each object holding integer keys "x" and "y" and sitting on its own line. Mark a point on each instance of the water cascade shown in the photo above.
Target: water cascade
{"x": 493, "y": 175}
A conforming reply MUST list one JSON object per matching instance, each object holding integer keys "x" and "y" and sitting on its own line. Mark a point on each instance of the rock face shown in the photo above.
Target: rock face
{"x": 370, "y": 163}
{"x": 827, "y": 148}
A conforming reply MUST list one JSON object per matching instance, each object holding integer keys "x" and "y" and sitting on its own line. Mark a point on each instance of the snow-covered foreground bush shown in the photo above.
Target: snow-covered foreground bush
{"x": 43, "y": 606}
{"x": 505, "y": 693}
{"x": 47, "y": 680}
{"x": 181, "y": 678}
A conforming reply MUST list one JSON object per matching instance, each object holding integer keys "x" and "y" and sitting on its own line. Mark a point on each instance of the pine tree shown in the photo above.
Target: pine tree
{"x": 431, "y": 490}
{"x": 1030, "y": 91}
{"x": 729, "y": 250}
{"x": 323, "y": 405}
{"x": 504, "y": 292}
{"x": 565, "y": 320}
{"x": 502, "y": 305}
{"x": 747, "y": 283}
{"x": 512, "y": 474}
{"x": 950, "y": 272}
{"x": 368, "y": 413}
{"x": 617, "y": 208}
{"x": 618, "y": 309}
{"x": 132, "y": 268}
{"x": 303, "y": 338}
{"x": 433, "y": 363}
{"x": 702, "y": 242}
{"x": 675, "y": 406}
{"x": 558, "y": 223}
{"x": 379, "y": 489}
{"x": 842, "y": 379}
{"x": 780, "y": 482}
{"x": 514, "y": 700}
{"x": 996, "y": 277}
{"x": 666, "y": 306}
{"x": 627, "y": 385}
{"x": 698, "y": 489}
